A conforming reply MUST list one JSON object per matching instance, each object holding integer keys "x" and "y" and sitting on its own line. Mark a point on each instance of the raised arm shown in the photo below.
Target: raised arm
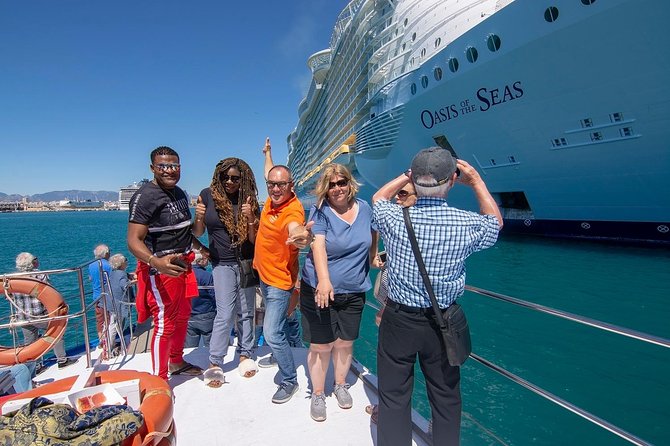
{"x": 269, "y": 164}
{"x": 391, "y": 188}
{"x": 470, "y": 177}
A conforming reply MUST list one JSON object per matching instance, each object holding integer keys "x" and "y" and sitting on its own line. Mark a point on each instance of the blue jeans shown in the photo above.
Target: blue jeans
{"x": 292, "y": 330}
{"x": 276, "y": 305}
{"x": 199, "y": 325}
{"x": 231, "y": 301}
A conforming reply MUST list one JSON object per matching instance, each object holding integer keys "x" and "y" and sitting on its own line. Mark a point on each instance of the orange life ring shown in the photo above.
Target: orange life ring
{"x": 156, "y": 404}
{"x": 55, "y": 306}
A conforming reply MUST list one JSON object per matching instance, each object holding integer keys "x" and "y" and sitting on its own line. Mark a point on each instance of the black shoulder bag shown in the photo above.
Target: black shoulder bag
{"x": 248, "y": 275}
{"x": 454, "y": 329}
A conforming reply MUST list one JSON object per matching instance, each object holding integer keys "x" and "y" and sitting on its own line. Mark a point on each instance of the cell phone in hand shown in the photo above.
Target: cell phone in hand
{"x": 179, "y": 262}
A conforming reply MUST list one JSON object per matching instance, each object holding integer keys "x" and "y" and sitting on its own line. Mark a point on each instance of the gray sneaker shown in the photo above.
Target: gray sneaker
{"x": 267, "y": 362}
{"x": 344, "y": 399}
{"x": 317, "y": 409}
{"x": 284, "y": 392}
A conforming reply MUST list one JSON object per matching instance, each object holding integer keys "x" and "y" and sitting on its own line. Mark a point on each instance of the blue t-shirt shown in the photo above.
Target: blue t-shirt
{"x": 347, "y": 246}
{"x": 204, "y": 302}
{"x": 96, "y": 280}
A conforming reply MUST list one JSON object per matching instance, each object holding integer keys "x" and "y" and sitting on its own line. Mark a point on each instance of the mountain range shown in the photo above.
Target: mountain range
{"x": 75, "y": 195}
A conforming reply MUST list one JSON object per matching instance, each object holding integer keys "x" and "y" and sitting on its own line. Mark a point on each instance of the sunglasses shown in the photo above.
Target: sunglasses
{"x": 341, "y": 183}
{"x": 404, "y": 194}
{"x": 164, "y": 167}
{"x": 280, "y": 184}
{"x": 232, "y": 178}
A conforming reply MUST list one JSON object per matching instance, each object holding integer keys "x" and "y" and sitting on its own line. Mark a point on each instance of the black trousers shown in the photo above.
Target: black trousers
{"x": 403, "y": 336}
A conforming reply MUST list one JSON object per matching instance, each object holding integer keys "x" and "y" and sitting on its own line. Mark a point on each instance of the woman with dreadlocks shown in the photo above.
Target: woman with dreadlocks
{"x": 229, "y": 210}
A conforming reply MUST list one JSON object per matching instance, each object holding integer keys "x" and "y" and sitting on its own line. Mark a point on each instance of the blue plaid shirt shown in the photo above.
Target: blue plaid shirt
{"x": 446, "y": 237}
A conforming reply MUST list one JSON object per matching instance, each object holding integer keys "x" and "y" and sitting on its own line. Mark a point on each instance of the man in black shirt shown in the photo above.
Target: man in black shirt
{"x": 159, "y": 236}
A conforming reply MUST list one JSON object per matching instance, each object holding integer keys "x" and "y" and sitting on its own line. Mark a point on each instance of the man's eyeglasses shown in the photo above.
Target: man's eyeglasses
{"x": 164, "y": 167}
{"x": 280, "y": 184}
{"x": 232, "y": 178}
{"x": 341, "y": 183}
{"x": 404, "y": 194}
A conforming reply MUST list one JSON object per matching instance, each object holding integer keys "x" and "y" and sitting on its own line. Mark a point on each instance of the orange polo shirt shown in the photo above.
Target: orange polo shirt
{"x": 275, "y": 261}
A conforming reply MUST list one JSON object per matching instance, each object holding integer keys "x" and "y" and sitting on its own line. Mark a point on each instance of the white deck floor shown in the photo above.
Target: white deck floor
{"x": 241, "y": 411}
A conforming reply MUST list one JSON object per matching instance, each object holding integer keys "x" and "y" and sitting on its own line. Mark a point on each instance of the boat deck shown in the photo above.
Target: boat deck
{"x": 241, "y": 412}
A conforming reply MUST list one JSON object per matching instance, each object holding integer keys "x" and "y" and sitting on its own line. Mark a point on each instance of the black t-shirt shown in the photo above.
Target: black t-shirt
{"x": 167, "y": 215}
{"x": 219, "y": 239}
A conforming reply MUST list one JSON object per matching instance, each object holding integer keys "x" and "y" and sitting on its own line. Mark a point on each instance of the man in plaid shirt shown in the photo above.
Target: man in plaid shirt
{"x": 29, "y": 308}
{"x": 446, "y": 237}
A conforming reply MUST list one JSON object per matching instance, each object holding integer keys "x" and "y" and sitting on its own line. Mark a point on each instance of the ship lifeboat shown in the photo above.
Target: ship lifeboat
{"x": 156, "y": 404}
{"x": 55, "y": 306}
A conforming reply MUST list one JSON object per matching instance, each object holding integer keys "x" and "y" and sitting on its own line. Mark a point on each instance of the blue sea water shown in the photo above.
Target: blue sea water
{"x": 619, "y": 379}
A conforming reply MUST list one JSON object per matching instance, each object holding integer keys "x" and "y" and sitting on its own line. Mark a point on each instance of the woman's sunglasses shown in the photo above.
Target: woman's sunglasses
{"x": 404, "y": 194}
{"x": 232, "y": 178}
{"x": 341, "y": 183}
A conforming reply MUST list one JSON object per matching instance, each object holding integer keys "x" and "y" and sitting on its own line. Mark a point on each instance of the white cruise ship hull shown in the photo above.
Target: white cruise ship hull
{"x": 567, "y": 122}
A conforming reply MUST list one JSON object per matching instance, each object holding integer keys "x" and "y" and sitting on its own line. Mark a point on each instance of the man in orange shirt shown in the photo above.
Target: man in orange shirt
{"x": 281, "y": 234}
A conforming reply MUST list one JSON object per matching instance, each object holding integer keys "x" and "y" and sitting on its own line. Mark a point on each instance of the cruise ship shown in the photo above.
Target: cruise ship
{"x": 563, "y": 107}
{"x": 126, "y": 193}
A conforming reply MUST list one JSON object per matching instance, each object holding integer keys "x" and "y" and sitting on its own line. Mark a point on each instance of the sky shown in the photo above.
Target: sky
{"x": 88, "y": 88}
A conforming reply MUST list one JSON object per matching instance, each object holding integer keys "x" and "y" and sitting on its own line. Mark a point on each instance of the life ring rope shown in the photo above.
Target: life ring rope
{"x": 54, "y": 305}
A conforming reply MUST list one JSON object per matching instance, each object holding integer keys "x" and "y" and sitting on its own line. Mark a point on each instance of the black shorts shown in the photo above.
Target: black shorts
{"x": 340, "y": 320}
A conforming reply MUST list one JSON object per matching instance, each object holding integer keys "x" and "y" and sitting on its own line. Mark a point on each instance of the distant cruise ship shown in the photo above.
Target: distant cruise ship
{"x": 563, "y": 107}
{"x": 126, "y": 193}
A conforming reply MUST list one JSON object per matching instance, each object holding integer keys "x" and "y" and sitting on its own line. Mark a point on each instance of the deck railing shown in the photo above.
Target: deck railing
{"x": 602, "y": 423}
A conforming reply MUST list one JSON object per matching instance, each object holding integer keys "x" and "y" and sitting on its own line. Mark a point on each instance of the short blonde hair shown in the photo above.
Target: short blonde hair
{"x": 117, "y": 260}
{"x": 332, "y": 170}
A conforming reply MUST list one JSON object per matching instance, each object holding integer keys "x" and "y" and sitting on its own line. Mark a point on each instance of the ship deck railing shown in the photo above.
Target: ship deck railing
{"x": 554, "y": 399}
{"x": 420, "y": 427}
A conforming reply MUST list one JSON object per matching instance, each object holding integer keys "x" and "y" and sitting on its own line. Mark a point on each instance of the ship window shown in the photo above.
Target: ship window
{"x": 587, "y": 122}
{"x": 559, "y": 142}
{"x": 493, "y": 42}
{"x": 511, "y": 159}
{"x": 437, "y": 73}
{"x": 411, "y": 62}
{"x": 551, "y": 14}
{"x": 471, "y": 54}
{"x": 403, "y": 46}
{"x": 424, "y": 81}
{"x": 423, "y": 52}
{"x": 596, "y": 136}
{"x": 493, "y": 162}
{"x": 453, "y": 64}
{"x": 405, "y": 22}
{"x": 438, "y": 41}
{"x": 413, "y": 37}
{"x": 588, "y": 2}
{"x": 626, "y": 131}
{"x": 413, "y": 88}
{"x": 616, "y": 117}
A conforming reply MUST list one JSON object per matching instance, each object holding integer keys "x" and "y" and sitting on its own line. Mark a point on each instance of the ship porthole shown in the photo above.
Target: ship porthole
{"x": 437, "y": 73}
{"x": 493, "y": 43}
{"x": 413, "y": 88}
{"x": 413, "y": 37}
{"x": 424, "y": 81}
{"x": 585, "y": 225}
{"x": 453, "y": 64}
{"x": 663, "y": 229}
{"x": 551, "y": 14}
{"x": 588, "y": 2}
{"x": 438, "y": 41}
{"x": 471, "y": 54}
{"x": 527, "y": 222}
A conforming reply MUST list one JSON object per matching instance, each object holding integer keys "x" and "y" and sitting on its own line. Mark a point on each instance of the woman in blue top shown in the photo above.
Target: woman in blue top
{"x": 334, "y": 282}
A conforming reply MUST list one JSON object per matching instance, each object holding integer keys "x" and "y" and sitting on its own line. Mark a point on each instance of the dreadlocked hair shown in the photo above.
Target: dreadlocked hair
{"x": 238, "y": 230}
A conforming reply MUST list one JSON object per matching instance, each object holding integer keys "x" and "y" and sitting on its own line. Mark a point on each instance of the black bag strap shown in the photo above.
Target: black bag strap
{"x": 422, "y": 268}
